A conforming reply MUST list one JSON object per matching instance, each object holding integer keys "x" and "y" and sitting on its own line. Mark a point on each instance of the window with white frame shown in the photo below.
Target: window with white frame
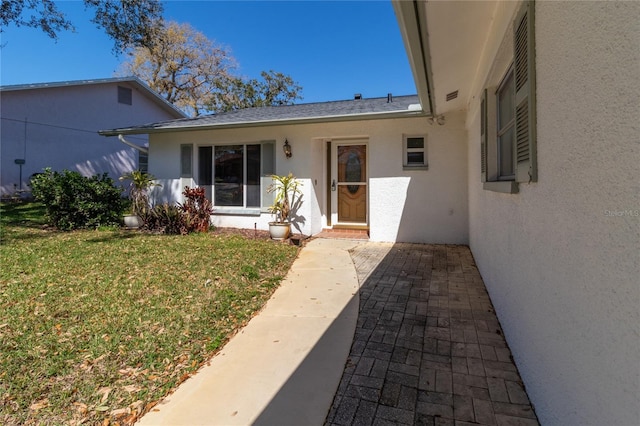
{"x": 508, "y": 115}
{"x": 415, "y": 152}
{"x": 237, "y": 176}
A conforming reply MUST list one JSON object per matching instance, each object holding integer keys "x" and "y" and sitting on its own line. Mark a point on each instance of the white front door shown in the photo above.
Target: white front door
{"x": 349, "y": 183}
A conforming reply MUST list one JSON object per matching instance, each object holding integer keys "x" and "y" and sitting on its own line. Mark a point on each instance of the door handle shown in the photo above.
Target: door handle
{"x": 333, "y": 185}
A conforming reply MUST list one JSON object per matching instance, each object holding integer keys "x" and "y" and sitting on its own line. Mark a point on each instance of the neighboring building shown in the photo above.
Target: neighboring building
{"x": 533, "y": 164}
{"x": 55, "y": 125}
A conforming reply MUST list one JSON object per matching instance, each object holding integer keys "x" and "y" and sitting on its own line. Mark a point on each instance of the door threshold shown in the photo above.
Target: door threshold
{"x": 344, "y": 233}
{"x": 349, "y": 226}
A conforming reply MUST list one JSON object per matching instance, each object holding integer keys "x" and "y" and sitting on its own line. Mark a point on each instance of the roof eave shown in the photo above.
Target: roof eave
{"x": 135, "y": 81}
{"x": 412, "y": 21}
{"x": 264, "y": 123}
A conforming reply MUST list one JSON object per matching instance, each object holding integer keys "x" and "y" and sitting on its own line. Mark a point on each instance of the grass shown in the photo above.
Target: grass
{"x": 97, "y": 326}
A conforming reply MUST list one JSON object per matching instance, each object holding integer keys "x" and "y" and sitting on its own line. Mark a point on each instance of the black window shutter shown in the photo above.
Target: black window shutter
{"x": 524, "y": 68}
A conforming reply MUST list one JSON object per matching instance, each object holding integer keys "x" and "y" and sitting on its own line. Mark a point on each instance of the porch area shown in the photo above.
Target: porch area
{"x": 428, "y": 348}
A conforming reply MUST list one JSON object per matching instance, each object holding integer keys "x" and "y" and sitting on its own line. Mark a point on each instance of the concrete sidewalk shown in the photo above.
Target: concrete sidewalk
{"x": 284, "y": 367}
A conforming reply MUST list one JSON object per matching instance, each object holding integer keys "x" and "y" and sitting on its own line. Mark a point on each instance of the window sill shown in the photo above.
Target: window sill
{"x": 425, "y": 167}
{"x": 239, "y": 211}
{"x": 506, "y": 187}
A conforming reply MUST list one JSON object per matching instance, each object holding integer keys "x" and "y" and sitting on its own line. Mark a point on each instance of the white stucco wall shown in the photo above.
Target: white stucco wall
{"x": 435, "y": 211}
{"x": 426, "y": 206}
{"x": 561, "y": 259}
{"x": 61, "y": 131}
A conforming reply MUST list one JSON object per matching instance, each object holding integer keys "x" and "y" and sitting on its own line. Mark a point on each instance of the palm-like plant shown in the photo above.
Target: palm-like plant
{"x": 286, "y": 189}
{"x": 139, "y": 187}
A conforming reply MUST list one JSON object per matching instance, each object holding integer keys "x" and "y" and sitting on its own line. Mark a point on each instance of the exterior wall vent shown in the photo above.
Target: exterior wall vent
{"x": 451, "y": 96}
{"x": 125, "y": 95}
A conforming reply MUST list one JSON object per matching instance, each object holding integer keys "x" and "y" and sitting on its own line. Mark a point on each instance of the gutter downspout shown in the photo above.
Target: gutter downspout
{"x": 133, "y": 145}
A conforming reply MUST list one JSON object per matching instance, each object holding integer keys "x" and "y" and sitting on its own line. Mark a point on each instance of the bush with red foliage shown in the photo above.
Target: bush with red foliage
{"x": 197, "y": 209}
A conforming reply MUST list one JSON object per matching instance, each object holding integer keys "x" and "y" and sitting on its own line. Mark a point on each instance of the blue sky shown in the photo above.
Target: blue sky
{"x": 333, "y": 49}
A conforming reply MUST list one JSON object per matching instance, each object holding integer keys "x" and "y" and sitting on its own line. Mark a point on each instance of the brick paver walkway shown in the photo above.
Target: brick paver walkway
{"x": 428, "y": 348}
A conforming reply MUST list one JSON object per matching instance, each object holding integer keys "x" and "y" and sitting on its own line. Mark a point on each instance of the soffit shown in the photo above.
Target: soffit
{"x": 458, "y": 33}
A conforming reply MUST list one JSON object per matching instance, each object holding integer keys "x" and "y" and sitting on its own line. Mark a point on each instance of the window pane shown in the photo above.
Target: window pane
{"x": 505, "y": 102}
{"x": 185, "y": 160}
{"x": 229, "y": 161}
{"x": 415, "y": 158}
{"x": 268, "y": 168}
{"x": 352, "y": 163}
{"x": 205, "y": 170}
{"x": 505, "y": 146}
{"x": 415, "y": 142}
{"x": 253, "y": 175}
{"x": 143, "y": 162}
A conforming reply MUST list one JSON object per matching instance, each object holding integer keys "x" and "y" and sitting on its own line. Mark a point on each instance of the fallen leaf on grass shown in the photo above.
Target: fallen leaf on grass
{"x": 80, "y": 407}
{"x": 43, "y": 403}
{"x": 105, "y": 394}
{"x": 131, "y": 388}
{"x": 137, "y": 407}
{"x": 120, "y": 412}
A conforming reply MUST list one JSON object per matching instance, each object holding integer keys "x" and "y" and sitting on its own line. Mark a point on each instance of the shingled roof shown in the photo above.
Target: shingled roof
{"x": 356, "y": 109}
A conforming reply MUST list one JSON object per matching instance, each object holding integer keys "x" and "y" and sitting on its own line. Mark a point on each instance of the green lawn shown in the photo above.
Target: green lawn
{"x": 97, "y": 326}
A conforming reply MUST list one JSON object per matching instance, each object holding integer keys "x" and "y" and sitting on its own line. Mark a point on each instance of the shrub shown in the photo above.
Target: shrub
{"x": 167, "y": 218}
{"x": 73, "y": 201}
{"x": 197, "y": 209}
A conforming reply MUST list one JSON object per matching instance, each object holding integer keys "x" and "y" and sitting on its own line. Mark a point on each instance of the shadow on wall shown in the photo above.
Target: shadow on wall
{"x": 418, "y": 209}
{"x": 387, "y": 205}
{"x": 297, "y": 220}
{"x": 115, "y": 164}
{"x": 434, "y": 213}
{"x": 170, "y": 192}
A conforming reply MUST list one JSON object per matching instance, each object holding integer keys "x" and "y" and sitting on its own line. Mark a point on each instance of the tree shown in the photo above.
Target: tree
{"x": 197, "y": 75}
{"x": 183, "y": 66}
{"x": 127, "y": 22}
{"x": 275, "y": 89}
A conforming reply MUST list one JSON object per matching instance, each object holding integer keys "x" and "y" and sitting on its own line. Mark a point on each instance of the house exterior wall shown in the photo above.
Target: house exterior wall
{"x": 427, "y": 206}
{"x": 61, "y": 130}
{"x": 561, "y": 258}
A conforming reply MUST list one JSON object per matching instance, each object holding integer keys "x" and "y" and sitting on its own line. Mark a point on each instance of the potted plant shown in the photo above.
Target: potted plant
{"x": 139, "y": 187}
{"x": 287, "y": 192}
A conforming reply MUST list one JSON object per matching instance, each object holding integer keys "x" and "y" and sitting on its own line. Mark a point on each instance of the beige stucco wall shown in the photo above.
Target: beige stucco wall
{"x": 561, "y": 259}
{"x": 420, "y": 205}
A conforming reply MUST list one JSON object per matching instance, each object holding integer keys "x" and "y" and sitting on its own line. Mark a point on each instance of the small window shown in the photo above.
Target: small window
{"x": 143, "y": 162}
{"x": 125, "y": 95}
{"x": 186, "y": 154}
{"x": 415, "y": 152}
